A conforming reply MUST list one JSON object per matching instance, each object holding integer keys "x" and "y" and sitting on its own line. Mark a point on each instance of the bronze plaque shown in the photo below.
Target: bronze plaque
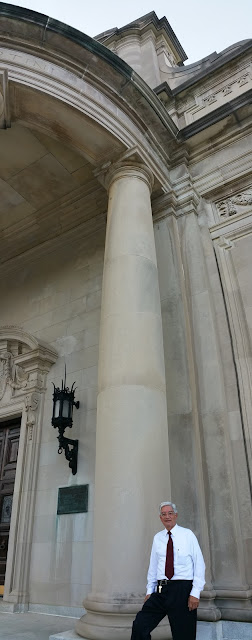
{"x": 73, "y": 499}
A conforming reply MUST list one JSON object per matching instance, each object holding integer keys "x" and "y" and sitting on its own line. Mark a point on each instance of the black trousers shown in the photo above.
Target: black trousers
{"x": 173, "y": 602}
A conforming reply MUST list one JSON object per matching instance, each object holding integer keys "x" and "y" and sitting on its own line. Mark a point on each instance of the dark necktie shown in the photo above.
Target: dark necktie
{"x": 169, "y": 568}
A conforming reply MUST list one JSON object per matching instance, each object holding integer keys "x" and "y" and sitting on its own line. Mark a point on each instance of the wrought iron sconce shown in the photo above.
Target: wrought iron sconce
{"x": 63, "y": 403}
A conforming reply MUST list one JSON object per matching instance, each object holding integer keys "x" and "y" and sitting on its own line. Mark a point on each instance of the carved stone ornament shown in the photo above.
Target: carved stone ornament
{"x": 31, "y": 406}
{"x": 210, "y": 99}
{"x": 226, "y": 90}
{"x": 24, "y": 363}
{"x": 11, "y": 373}
{"x": 230, "y": 206}
{"x": 5, "y": 371}
{"x": 243, "y": 79}
{"x": 218, "y": 91}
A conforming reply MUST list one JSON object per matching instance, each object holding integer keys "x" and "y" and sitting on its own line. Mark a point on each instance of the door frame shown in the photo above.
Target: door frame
{"x": 23, "y": 398}
{"x": 6, "y": 425}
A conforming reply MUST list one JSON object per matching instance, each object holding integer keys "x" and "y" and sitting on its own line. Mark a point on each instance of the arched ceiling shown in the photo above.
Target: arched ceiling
{"x": 47, "y": 162}
{"x": 46, "y": 189}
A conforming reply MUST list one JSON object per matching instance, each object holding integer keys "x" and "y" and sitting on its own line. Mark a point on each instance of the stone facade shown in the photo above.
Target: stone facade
{"x": 125, "y": 235}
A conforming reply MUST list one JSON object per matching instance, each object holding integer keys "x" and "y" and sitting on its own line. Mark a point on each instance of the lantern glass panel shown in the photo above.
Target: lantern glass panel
{"x": 57, "y": 409}
{"x": 66, "y": 409}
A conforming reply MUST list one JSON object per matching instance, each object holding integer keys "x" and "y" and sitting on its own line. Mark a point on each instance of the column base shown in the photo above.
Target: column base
{"x": 113, "y": 620}
{"x": 108, "y": 621}
{"x": 208, "y": 610}
{"x": 235, "y": 604}
{"x": 13, "y": 607}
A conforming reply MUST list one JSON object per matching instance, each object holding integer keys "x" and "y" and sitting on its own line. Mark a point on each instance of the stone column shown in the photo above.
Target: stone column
{"x": 132, "y": 467}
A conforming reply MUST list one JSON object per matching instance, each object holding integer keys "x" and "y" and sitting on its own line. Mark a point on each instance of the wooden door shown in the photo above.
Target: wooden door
{"x": 9, "y": 441}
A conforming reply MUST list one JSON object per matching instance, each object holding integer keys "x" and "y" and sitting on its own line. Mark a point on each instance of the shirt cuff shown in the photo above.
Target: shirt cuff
{"x": 195, "y": 593}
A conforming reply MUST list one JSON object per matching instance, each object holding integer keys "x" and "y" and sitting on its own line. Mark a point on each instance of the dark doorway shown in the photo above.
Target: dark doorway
{"x": 9, "y": 441}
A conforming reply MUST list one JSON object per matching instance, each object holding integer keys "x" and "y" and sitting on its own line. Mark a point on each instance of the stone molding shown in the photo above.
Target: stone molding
{"x": 24, "y": 364}
{"x": 182, "y": 200}
{"x": 238, "y": 327}
{"x": 139, "y": 171}
{"x": 137, "y": 157}
{"x": 4, "y": 101}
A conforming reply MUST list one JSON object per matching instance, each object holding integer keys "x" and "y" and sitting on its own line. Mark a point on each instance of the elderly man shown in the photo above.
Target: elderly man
{"x": 176, "y": 577}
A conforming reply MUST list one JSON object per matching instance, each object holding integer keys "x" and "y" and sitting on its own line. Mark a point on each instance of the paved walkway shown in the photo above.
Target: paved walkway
{"x": 32, "y": 626}
{"x": 39, "y": 626}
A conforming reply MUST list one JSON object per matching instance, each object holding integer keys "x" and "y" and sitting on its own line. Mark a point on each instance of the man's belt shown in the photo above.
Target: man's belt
{"x": 162, "y": 583}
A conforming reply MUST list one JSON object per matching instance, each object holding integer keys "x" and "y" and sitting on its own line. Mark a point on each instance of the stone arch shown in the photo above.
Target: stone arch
{"x": 88, "y": 80}
{"x": 24, "y": 365}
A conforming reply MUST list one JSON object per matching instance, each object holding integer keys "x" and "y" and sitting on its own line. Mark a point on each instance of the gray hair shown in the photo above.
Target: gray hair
{"x": 171, "y": 504}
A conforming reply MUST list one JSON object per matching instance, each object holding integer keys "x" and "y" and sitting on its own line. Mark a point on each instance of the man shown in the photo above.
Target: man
{"x": 176, "y": 577}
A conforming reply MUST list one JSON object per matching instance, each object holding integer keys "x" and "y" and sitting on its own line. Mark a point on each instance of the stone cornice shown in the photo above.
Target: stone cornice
{"x": 139, "y": 26}
{"x": 13, "y": 332}
{"x": 218, "y": 62}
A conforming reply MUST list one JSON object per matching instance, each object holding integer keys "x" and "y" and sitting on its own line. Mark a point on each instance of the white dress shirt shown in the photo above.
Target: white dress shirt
{"x": 188, "y": 559}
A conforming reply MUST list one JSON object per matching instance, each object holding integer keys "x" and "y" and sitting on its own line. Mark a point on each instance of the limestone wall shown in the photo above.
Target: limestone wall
{"x": 57, "y": 299}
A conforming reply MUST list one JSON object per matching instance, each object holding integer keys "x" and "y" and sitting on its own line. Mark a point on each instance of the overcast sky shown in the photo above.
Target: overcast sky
{"x": 201, "y": 27}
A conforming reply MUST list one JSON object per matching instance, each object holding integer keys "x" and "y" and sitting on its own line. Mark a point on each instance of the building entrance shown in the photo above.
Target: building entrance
{"x": 9, "y": 441}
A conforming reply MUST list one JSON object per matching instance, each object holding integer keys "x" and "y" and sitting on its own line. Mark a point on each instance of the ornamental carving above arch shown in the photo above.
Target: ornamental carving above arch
{"x": 24, "y": 363}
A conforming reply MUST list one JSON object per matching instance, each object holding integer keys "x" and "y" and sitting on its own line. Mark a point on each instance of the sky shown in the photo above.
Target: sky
{"x": 201, "y": 27}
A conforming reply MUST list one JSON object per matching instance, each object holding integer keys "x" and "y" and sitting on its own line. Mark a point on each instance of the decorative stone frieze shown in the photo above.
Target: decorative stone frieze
{"x": 231, "y": 206}
{"x": 212, "y": 94}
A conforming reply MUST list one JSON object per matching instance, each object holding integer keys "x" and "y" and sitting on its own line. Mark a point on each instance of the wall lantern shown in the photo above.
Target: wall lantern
{"x": 63, "y": 403}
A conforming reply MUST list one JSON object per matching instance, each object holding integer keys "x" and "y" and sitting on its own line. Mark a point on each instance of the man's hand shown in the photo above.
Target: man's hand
{"x": 193, "y": 603}
{"x": 147, "y": 597}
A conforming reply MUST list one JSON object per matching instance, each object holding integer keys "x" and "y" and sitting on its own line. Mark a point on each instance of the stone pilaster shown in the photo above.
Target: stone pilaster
{"x": 132, "y": 468}
{"x": 233, "y": 596}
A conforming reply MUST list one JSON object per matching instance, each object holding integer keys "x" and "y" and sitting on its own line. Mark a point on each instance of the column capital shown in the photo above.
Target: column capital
{"x": 128, "y": 170}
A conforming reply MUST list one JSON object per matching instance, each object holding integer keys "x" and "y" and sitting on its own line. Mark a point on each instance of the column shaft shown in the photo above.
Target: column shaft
{"x": 132, "y": 468}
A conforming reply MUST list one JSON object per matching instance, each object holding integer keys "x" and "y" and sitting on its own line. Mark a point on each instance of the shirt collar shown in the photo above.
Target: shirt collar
{"x": 173, "y": 530}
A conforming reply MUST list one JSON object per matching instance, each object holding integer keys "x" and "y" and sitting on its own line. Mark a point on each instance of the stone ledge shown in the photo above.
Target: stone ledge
{"x": 222, "y": 630}
{"x": 65, "y": 635}
{"x": 57, "y": 610}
